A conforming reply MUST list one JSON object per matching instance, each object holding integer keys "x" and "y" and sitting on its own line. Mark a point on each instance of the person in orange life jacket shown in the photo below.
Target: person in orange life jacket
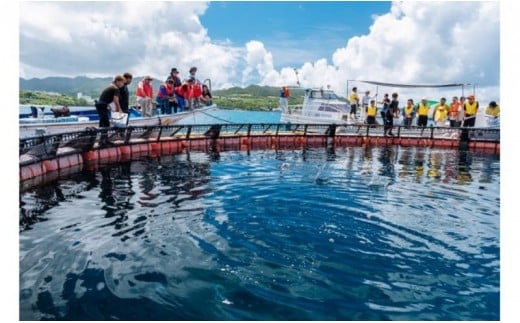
{"x": 470, "y": 110}
{"x": 166, "y": 97}
{"x": 195, "y": 93}
{"x": 144, "y": 94}
{"x": 206, "y": 95}
{"x": 455, "y": 107}
{"x": 195, "y": 90}
{"x": 284, "y": 98}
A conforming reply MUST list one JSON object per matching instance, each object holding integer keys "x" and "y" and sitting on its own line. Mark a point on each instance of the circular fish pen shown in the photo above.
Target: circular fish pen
{"x": 260, "y": 222}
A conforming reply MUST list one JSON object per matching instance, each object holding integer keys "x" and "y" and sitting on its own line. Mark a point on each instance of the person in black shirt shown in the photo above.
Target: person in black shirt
{"x": 124, "y": 93}
{"x": 393, "y": 110}
{"x": 206, "y": 95}
{"x": 111, "y": 94}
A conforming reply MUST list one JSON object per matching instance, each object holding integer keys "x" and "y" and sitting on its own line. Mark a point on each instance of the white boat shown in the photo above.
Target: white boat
{"x": 319, "y": 107}
{"x": 30, "y": 127}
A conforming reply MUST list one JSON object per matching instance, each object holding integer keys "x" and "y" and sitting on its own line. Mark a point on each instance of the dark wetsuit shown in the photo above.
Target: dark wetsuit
{"x": 106, "y": 97}
{"x": 124, "y": 98}
{"x": 389, "y": 115}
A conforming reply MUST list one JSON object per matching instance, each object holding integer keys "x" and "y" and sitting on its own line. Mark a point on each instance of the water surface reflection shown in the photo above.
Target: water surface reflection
{"x": 321, "y": 234}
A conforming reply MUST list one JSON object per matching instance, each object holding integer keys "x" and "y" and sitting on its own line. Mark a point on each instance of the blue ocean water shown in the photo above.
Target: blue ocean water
{"x": 359, "y": 233}
{"x": 232, "y": 116}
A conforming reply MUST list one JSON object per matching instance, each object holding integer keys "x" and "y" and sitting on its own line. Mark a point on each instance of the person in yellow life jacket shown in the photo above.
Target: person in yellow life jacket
{"x": 493, "y": 110}
{"x": 453, "y": 115}
{"x": 354, "y": 101}
{"x": 408, "y": 113}
{"x": 371, "y": 112}
{"x": 470, "y": 111}
{"x": 493, "y": 114}
{"x": 423, "y": 108}
{"x": 440, "y": 113}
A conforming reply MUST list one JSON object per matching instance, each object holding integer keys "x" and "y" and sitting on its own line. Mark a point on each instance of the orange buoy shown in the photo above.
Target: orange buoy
{"x": 51, "y": 165}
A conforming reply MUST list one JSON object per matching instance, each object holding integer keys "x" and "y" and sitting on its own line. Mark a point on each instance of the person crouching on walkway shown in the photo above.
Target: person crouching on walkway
{"x": 144, "y": 94}
{"x": 493, "y": 114}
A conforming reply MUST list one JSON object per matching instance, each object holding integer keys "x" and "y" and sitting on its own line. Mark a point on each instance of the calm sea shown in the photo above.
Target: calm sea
{"x": 363, "y": 233}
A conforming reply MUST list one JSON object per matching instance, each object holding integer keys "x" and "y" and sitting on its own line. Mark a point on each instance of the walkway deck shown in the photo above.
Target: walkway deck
{"x": 55, "y": 155}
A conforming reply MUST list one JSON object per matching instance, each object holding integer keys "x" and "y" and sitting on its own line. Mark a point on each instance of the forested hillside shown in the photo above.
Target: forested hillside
{"x": 62, "y": 89}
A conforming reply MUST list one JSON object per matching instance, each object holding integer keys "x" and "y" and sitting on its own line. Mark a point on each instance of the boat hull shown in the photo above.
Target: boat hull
{"x": 37, "y": 129}
{"x": 298, "y": 118}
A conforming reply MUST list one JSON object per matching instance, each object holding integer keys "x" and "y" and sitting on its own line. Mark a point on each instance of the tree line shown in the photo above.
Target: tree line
{"x": 63, "y": 91}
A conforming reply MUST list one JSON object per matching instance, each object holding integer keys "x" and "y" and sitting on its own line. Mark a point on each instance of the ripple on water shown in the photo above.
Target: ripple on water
{"x": 347, "y": 234}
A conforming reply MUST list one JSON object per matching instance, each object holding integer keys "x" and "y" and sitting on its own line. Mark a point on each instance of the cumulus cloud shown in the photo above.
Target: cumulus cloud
{"x": 415, "y": 42}
{"x": 106, "y": 38}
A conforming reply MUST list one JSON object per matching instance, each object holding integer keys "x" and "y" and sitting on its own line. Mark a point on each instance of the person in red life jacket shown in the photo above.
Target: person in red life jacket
{"x": 196, "y": 89}
{"x": 206, "y": 95}
{"x": 182, "y": 94}
{"x": 195, "y": 93}
{"x": 455, "y": 108}
{"x": 166, "y": 98}
{"x": 144, "y": 94}
{"x": 284, "y": 97}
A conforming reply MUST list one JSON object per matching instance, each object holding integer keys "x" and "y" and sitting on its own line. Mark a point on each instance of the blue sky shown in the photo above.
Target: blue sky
{"x": 320, "y": 27}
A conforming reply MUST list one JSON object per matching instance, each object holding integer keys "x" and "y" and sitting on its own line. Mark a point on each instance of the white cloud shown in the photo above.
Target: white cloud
{"x": 107, "y": 38}
{"x": 416, "y": 42}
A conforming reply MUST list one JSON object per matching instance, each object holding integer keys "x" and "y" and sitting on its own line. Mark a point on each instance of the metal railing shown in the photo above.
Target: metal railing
{"x": 46, "y": 147}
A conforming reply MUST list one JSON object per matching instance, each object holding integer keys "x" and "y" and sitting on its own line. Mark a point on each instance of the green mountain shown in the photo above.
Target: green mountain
{"x": 253, "y": 97}
{"x": 66, "y": 85}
